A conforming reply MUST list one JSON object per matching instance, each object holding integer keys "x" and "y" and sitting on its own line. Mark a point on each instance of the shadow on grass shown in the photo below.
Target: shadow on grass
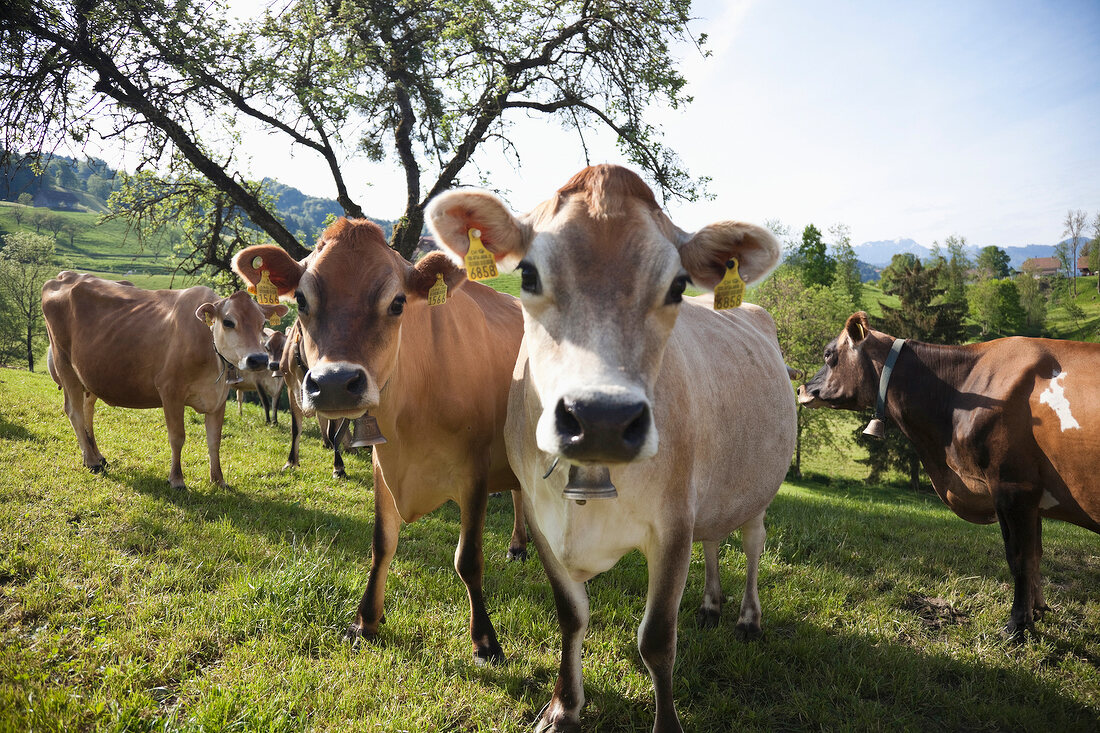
{"x": 15, "y": 431}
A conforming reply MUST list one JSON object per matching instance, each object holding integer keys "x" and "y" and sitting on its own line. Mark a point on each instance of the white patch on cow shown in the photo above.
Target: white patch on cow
{"x": 1055, "y": 396}
{"x": 1047, "y": 501}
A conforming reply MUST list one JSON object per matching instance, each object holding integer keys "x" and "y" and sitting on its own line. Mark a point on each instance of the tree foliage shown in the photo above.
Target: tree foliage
{"x": 806, "y": 319}
{"x": 923, "y": 312}
{"x": 422, "y": 83}
{"x": 1073, "y": 227}
{"x": 812, "y": 259}
{"x": 995, "y": 306}
{"x": 993, "y": 262}
{"x": 846, "y": 280}
{"x": 26, "y": 261}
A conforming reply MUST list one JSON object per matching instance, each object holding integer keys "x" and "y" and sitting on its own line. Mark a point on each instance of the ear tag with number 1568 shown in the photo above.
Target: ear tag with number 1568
{"x": 729, "y": 292}
{"x": 437, "y": 294}
{"x": 480, "y": 264}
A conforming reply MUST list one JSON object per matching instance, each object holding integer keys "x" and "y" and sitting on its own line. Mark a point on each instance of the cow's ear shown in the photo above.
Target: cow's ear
{"x": 208, "y": 313}
{"x": 857, "y": 327}
{"x": 452, "y": 215}
{"x": 424, "y": 274}
{"x": 278, "y": 310}
{"x": 283, "y": 270}
{"x": 705, "y": 253}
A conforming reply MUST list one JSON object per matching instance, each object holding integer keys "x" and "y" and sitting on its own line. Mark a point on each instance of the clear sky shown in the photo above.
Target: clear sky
{"x": 979, "y": 118}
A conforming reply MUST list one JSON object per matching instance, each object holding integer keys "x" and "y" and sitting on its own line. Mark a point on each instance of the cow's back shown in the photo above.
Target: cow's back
{"x": 122, "y": 341}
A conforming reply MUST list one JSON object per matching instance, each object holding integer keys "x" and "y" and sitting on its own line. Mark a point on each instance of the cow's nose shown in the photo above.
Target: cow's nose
{"x": 601, "y": 430}
{"x": 273, "y": 365}
{"x": 255, "y": 361}
{"x": 335, "y": 386}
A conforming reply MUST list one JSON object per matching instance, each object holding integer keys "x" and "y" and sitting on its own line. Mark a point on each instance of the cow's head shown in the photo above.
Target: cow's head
{"x": 274, "y": 343}
{"x": 237, "y": 323}
{"x": 352, "y": 293}
{"x": 603, "y": 273}
{"x": 853, "y": 362}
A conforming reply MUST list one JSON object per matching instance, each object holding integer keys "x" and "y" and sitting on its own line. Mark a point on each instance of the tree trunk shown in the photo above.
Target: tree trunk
{"x": 406, "y": 233}
{"x": 30, "y": 348}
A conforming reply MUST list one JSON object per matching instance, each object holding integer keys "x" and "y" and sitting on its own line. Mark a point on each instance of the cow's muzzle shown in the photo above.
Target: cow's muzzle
{"x": 253, "y": 362}
{"x": 808, "y": 396}
{"x": 336, "y": 387}
{"x": 601, "y": 431}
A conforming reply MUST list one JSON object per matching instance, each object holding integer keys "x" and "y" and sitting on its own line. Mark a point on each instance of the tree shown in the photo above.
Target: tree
{"x": 993, "y": 262}
{"x": 53, "y": 223}
{"x": 995, "y": 305}
{"x": 1094, "y": 249}
{"x": 923, "y": 313}
{"x": 26, "y": 261}
{"x": 806, "y": 319}
{"x": 25, "y": 199}
{"x": 953, "y": 268}
{"x": 846, "y": 280}
{"x": 425, "y": 83}
{"x": 1032, "y": 300}
{"x": 1074, "y": 225}
{"x": 813, "y": 260}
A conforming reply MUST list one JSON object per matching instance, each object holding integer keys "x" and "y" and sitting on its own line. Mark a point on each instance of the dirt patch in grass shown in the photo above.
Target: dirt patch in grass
{"x": 934, "y": 612}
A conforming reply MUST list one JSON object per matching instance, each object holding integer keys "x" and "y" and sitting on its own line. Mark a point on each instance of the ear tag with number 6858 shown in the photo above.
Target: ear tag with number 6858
{"x": 729, "y": 292}
{"x": 480, "y": 264}
{"x": 437, "y": 294}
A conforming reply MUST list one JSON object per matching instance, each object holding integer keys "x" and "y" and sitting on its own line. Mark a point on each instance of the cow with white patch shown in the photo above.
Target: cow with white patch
{"x": 150, "y": 348}
{"x": 1008, "y": 430}
{"x": 637, "y": 419}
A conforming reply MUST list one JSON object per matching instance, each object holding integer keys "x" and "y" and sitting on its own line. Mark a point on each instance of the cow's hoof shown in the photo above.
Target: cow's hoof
{"x": 100, "y": 467}
{"x": 339, "y": 473}
{"x": 546, "y": 725}
{"x": 1017, "y": 633}
{"x": 355, "y": 634}
{"x": 288, "y": 466}
{"x": 488, "y": 654}
{"x": 517, "y": 553}
{"x": 707, "y": 618}
{"x": 745, "y": 631}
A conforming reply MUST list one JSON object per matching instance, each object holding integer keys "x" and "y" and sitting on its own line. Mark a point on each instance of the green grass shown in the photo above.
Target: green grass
{"x": 127, "y": 606}
{"x": 1061, "y": 324}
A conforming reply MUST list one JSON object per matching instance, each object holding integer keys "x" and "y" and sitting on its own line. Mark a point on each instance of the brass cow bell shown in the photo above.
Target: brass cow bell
{"x": 876, "y": 429}
{"x": 367, "y": 432}
{"x": 589, "y": 483}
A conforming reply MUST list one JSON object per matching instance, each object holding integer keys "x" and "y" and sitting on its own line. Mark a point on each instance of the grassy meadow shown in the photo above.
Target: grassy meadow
{"x": 128, "y": 606}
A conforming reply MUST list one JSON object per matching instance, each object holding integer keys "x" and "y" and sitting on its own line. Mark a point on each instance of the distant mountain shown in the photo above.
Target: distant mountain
{"x": 879, "y": 253}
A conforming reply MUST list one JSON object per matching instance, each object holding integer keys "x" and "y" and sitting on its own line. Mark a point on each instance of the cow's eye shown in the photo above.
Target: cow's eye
{"x": 529, "y": 278}
{"x": 830, "y": 357}
{"x": 397, "y": 306}
{"x": 676, "y": 290}
{"x": 303, "y": 306}
{"x": 228, "y": 323}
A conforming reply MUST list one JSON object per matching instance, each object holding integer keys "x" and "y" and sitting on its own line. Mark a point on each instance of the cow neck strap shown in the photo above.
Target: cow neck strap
{"x": 884, "y": 380}
{"x": 222, "y": 368}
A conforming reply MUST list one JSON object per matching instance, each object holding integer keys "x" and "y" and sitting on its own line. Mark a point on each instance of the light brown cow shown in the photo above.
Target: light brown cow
{"x": 149, "y": 348}
{"x": 431, "y": 375}
{"x": 267, "y": 383}
{"x": 1008, "y": 430}
{"x": 687, "y": 411}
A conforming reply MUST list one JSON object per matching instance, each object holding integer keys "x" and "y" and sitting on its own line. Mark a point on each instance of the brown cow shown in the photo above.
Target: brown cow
{"x": 435, "y": 377}
{"x": 1009, "y": 431}
{"x": 149, "y": 348}
{"x": 673, "y": 422}
{"x": 266, "y": 383}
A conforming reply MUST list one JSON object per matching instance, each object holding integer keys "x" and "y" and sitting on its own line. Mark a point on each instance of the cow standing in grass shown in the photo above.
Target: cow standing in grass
{"x": 367, "y": 341}
{"x": 266, "y": 383}
{"x": 150, "y": 348}
{"x": 687, "y": 411}
{"x": 1008, "y": 430}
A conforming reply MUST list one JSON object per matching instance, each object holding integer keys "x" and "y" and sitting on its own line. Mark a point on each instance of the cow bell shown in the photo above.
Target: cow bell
{"x": 876, "y": 429}
{"x": 367, "y": 432}
{"x": 589, "y": 483}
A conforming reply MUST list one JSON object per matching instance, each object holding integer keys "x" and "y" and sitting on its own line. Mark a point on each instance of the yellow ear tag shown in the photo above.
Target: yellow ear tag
{"x": 729, "y": 292}
{"x": 266, "y": 292}
{"x": 480, "y": 264}
{"x": 209, "y": 319}
{"x": 274, "y": 320}
{"x": 437, "y": 294}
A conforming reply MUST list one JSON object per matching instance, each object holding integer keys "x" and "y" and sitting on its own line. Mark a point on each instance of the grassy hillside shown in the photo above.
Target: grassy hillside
{"x": 128, "y": 606}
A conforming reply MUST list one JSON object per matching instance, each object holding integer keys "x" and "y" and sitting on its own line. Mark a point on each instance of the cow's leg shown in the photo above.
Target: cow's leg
{"x": 100, "y": 463}
{"x": 173, "y": 418}
{"x": 1018, "y": 514}
{"x": 711, "y": 607}
{"x": 265, "y": 402}
{"x": 753, "y": 535}
{"x": 517, "y": 547}
{"x": 470, "y": 564}
{"x": 1038, "y": 600}
{"x": 563, "y": 711}
{"x": 336, "y": 430}
{"x": 240, "y": 402}
{"x": 76, "y": 398}
{"x": 387, "y": 525}
{"x": 275, "y": 406}
{"x": 214, "y": 421}
{"x": 668, "y": 569}
{"x": 296, "y": 425}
